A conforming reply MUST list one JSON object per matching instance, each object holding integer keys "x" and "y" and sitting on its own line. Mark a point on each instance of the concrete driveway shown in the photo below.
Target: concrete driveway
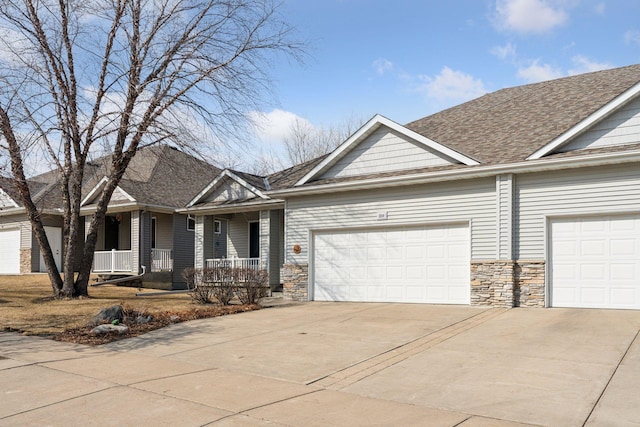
{"x": 318, "y": 364}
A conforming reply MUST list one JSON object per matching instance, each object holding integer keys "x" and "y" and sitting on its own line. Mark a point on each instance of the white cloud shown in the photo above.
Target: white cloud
{"x": 582, "y": 64}
{"x": 632, "y": 37}
{"x": 272, "y": 127}
{"x": 537, "y": 72}
{"x": 504, "y": 52}
{"x": 529, "y": 16}
{"x": 600, "y": 8}
{"x": 382, "y": 66}
{"x": 451, "y": 85}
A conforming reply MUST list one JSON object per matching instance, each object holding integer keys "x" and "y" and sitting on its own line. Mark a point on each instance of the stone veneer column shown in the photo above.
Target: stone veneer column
{"x": 25, "y": 261}
{"x": 296, "y": 281}
{"x": 530, "y": 283}
{"x": 492, "y": 283}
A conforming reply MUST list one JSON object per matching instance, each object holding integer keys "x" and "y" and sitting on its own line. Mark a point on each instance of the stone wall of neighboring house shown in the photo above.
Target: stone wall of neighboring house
{"x": 296, "y": 281}
{"x": 25, "y": 261}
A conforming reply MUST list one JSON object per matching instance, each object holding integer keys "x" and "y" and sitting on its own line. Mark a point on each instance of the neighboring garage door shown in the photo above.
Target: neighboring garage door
{"x": 10, "y": 251}
{"x": 595, "y": 262}
{"x": 409, "y": 264}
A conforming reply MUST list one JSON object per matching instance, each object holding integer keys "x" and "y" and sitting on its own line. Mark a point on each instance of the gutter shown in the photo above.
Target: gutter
{"x": 466, "y": 173}
{"x": 224, "y": 209}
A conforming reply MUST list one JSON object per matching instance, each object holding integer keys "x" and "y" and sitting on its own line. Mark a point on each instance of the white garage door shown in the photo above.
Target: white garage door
{"x": 595, "y": 262}
{"x": 412, "y": 264}
{"x": 10, "y": 251}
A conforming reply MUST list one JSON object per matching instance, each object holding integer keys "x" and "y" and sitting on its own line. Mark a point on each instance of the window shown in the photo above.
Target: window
{"x": 153, "y": 232}
{"x": 217, "y": 227}
{"x": 191, "y": 223}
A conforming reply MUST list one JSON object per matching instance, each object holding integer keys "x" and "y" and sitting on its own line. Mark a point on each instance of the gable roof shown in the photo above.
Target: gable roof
{"x": 159, "y": 175}
{"x": 367, "y": 129}
{"x": 509, "y": 125}
{"x": 253, "y": 183}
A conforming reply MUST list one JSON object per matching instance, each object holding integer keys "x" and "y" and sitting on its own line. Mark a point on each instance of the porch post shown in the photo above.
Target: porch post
{"x": 135, "y": 242}
{"x": 199, "y": 236}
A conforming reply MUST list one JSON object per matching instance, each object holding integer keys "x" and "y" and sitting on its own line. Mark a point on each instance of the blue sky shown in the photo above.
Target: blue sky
{"x": 406, "y": 59}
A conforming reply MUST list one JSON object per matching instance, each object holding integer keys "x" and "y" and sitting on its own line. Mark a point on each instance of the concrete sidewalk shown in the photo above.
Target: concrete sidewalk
{"x": 318, "y": 364}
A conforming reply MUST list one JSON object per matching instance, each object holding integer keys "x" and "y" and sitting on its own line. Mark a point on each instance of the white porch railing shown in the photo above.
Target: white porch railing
{"x": 161, "y": 260}
{"x": 112, "y": 261}
{"x": 251, "y": 263}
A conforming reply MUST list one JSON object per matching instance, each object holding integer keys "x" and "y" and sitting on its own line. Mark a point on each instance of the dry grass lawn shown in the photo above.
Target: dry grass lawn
{"x": 26, "y": 304}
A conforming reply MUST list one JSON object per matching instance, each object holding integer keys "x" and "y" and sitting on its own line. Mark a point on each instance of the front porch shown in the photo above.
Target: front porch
{"x": 121, "y": 261}
{"x": 246, "y": 240}
{"x": 129, "y": 240}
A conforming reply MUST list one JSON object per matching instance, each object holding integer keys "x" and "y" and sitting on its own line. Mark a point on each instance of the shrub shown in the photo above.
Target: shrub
{"x": 252, "y": 285}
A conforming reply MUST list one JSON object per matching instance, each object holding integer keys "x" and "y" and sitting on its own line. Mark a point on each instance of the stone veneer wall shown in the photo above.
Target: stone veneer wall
{"x": 492, "y": 283}
{"x": 530, "y": 286}
{"x": 25, "y": 261}
{"x": 295, "y": 279}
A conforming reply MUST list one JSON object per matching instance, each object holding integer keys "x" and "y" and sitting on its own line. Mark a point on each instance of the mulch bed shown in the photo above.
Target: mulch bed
{"x": 158, "y": 320}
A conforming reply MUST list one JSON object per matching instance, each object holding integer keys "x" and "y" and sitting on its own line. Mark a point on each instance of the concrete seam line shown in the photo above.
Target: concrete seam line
{"x": 61, "y": 401}
{"x": 489, "y": 313}
{"x": 611, "y": 377}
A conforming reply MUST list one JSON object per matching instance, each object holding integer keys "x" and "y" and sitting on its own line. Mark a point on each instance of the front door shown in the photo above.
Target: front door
{"x": 54, "y": 235}
{"x": 254, "y": 239}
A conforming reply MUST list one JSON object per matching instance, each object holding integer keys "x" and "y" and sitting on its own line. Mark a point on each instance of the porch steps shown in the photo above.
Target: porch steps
{"x": 351, "y": 375}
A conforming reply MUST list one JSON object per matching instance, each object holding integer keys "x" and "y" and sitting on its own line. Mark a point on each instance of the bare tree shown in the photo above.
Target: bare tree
{"x": 85, "y": 76}
{"x": 305, "y": 141}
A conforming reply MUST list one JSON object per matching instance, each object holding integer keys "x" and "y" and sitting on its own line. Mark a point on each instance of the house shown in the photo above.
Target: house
{"x": 142, "y": 226}
{"x": 19, "y": 250}
{"x": 238, "y": 224}
{"x": 528, "y": 196}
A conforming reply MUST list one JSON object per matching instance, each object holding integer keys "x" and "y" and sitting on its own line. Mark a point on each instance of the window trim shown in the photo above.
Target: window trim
{"x": 191, "y": 218}
{"x": 217, "y": 226}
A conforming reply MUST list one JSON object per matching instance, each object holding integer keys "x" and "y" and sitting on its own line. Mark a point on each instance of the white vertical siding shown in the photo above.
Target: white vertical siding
{"x": 199, "y": 242}
{"x": 469, "y": 200}
{"x": 585, "y": 191}
{"x": 504, "y": 199}
{"x": 385, "y": 150}
{"x": 135, "y": 239}
{"x": 622, "y": 127}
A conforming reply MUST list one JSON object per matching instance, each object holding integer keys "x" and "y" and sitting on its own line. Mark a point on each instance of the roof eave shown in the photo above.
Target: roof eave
{"x": 467, "y": 173}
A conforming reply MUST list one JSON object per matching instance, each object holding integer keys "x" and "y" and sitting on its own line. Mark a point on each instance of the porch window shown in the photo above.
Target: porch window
{"x": 191, "y": 223}
{"x": 217, "y": 227}
{"x": 153, "y": 232}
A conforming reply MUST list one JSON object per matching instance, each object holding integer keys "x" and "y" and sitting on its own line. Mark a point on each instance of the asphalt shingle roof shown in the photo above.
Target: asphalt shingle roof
{"x": 510, "y": 124}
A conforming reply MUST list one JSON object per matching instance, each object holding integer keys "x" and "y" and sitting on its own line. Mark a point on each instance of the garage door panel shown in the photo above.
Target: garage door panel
{"x": 605, "y": 271}
{"x": 10, "y": 251}
{"x": 415, "y": 264}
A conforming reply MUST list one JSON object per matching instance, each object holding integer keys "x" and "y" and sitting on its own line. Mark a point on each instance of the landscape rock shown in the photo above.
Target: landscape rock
{"x": 108, "y": 315}
{"x": 108, "y": 328}
{"x": 142, "y": 319}
{"x": 174, "y": 318}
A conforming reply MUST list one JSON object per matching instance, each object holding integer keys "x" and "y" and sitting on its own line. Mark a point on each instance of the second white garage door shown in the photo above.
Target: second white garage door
{"x": 10, "y": 251}
{"x": 428, "y": 264}
{"x": 595, "y": 262}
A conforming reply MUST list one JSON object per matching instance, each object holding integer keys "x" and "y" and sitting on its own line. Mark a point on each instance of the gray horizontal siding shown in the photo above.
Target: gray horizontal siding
{"x": 383, "y": 151}
{"x": 238, "y": 234}
{"x": 622, "y": 127}
{"x": 586, "y": 191}
{"x": 471, "y": 200}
